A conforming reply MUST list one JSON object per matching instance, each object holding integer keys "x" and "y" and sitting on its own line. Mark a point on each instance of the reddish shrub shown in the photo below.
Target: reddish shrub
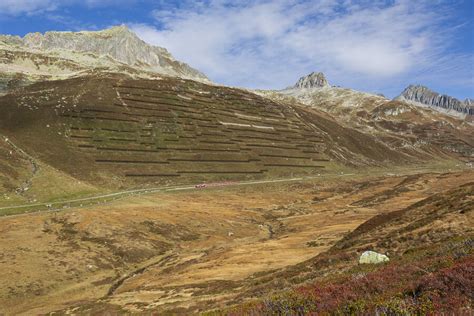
{"x": 451, "y": 288}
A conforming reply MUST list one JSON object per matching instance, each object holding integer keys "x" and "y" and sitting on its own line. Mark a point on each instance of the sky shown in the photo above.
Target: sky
{"x": 378, "y": 46}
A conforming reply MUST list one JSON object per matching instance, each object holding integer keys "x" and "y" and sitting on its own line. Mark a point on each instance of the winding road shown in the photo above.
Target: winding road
{"x": 121, "y": 194}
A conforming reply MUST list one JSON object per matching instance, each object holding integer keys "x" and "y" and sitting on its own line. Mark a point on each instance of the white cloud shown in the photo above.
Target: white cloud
{"x": 269, "y": 44}
{"x": 16, "y": 7}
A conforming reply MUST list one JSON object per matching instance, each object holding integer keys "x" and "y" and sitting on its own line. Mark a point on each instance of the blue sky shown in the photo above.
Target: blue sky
{"x": 378, "y": 46}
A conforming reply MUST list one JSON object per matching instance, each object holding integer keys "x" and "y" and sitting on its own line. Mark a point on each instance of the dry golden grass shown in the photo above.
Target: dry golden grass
{"x": 189, "y": 250}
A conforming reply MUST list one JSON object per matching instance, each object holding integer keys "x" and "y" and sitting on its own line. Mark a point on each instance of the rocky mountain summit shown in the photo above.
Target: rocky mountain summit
{"x": 59, "y": 55}
{"x": 314, "y": 89}
{"x": 424, "y": 96}
{"x": 313, "y": 80}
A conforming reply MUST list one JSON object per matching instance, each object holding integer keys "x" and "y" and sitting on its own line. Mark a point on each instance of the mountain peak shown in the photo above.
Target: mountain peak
{"x": 313, "y": 80}
{"x": 118, "y": 28}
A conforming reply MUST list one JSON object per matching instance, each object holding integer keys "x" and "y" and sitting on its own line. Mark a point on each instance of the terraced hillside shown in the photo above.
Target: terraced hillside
{"x": 119, "y": 132}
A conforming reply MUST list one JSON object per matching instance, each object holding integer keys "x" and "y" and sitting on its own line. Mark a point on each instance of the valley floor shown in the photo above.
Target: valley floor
{"x": 193, "y": 251}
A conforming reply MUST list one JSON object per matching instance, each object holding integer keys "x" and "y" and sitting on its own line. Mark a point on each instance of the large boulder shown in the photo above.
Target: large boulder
{"x": 372, "y": 257}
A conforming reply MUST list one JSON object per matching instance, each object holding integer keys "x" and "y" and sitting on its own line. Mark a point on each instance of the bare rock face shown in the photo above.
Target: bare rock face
{"x": 313, "y": 80}
{"x": 118, "y": 43}
{"x": 425, "y": 96}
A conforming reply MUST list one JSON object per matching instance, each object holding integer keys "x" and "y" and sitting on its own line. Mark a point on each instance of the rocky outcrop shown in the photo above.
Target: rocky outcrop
{"x": 118, "y": 43}
{"x": 425, "y": 96}
{"x": 313, "y": 80}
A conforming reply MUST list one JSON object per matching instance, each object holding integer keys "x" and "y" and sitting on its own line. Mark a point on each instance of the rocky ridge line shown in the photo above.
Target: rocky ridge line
{"x": 425, "y": 96}
{"x": 118, "y": 42}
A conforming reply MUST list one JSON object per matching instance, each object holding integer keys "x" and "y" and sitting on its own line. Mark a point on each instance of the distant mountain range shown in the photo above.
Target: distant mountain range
{"x": 414, "y": 94}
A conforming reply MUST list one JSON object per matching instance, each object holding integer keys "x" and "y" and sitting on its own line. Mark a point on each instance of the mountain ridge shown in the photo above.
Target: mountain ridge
{"x": 58, "y": 55}
{"x": 441, "y": 102}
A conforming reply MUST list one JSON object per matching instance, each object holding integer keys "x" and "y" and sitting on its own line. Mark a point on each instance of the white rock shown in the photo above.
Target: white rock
{"x": 372, "y": 257}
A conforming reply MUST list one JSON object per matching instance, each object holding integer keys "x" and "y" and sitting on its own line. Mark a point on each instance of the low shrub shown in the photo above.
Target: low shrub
{"x": 432, "y": 281}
